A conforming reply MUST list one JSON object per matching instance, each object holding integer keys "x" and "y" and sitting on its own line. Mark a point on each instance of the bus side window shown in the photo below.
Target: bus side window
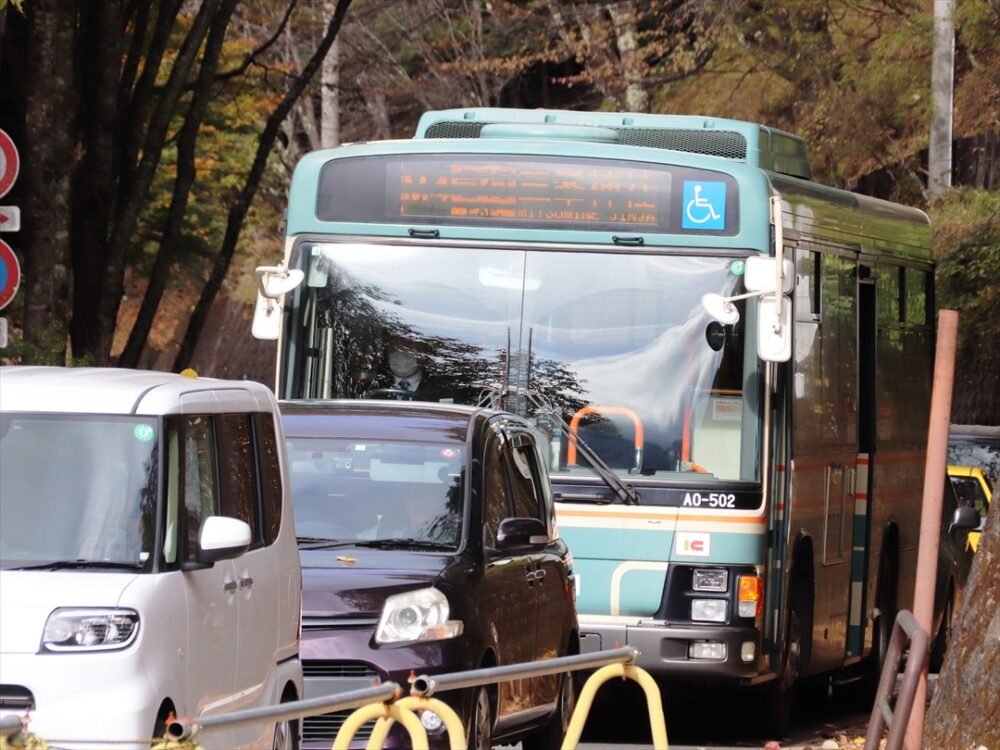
{"x": 915, "y": 297}
{"x": 888, "y": 292}
{"x": 807, "y": 285}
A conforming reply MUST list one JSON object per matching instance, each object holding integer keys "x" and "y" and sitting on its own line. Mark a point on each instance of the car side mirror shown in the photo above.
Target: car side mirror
{"x": 964, "y": 519}
{"x": 521, "y": 533}
{"x": 222, "y": 538}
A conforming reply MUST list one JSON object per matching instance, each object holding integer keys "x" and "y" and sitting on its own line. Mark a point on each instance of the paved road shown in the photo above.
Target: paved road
{"x": 717, "y": 721}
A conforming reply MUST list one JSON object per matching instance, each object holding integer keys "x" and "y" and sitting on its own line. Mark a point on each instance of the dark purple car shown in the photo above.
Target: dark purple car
{"x": 428, "y": 545}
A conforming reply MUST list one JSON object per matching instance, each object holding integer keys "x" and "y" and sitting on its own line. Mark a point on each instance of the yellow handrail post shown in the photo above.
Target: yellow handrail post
{"x": 414, "y": 703}
{"x": 418, "y": 736}
{"x": 657, "y": 724}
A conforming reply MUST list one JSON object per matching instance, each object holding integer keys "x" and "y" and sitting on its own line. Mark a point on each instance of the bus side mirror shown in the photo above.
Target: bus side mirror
{"x": 774, "y": 329}
{"x": 272, "y": 283}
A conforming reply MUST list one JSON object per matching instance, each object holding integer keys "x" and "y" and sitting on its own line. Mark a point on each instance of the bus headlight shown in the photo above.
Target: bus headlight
{"x": 710, "y": 579}
{"x": 90, "y": 629}
{"x": 709, "y": 610}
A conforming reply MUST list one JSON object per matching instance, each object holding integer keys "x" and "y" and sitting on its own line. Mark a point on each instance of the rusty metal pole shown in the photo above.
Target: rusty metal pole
{"x": 930, "y": 516}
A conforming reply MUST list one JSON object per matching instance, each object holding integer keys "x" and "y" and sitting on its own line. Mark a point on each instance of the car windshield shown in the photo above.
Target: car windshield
{"x": 615, "y": 349}
{"x": 78, "y": 490}
{"x": 370, "y": 490}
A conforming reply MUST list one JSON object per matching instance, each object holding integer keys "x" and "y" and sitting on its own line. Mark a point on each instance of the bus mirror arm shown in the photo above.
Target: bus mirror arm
{"x": 274, "y": 281}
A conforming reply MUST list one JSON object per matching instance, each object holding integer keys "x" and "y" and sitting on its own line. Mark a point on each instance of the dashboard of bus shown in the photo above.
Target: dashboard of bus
{"x": 607, "y": 353}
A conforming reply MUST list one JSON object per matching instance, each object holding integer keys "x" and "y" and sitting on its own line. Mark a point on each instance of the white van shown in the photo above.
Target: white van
{"x": 148, "y": 564}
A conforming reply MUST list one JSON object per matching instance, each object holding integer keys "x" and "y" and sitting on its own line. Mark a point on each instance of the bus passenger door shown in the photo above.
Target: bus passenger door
{"x": 824, "y": 439}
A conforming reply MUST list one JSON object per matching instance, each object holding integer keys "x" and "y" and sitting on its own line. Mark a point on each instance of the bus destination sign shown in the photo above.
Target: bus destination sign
{"x": 521, "y": 191}
{"x": 532, "y": 192}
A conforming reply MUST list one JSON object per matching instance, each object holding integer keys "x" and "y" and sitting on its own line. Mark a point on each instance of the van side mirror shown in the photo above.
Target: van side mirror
{"x": 222, "y": 538}
{"x": 272, "y": 283}
{"x": 965, "y": 519}
{"x": 514, "y": 533}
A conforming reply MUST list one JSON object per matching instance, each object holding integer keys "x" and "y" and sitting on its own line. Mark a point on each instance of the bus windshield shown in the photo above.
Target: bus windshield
{"x": 613, "y": 348}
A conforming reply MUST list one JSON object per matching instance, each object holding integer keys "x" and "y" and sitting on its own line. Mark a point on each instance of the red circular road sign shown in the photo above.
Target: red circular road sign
{"x": 10, "y": 274}
{"x": 10, "y": 163}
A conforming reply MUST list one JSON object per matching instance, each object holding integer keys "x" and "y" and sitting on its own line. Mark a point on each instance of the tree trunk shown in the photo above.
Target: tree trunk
{"x": 963, "y": 713}
{"x": 330, "y": 94}
{"x": 131, "y": 203}
{"x": 49, "y": 127}
{"x": 238, "y": 212}
{"x": 186, "y": 173}
{"x": 623, "y": 20}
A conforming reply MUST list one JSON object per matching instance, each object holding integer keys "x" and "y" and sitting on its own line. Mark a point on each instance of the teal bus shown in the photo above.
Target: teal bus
{"x": 729, "y": 364}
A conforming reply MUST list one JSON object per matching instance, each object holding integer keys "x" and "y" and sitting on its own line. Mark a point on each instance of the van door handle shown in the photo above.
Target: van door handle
{"x": 245, "y": 582}
{"x": 229, "y": 586}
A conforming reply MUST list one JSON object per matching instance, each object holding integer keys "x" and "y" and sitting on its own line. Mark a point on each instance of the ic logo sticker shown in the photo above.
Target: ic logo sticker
{"x": 692, "y": 544}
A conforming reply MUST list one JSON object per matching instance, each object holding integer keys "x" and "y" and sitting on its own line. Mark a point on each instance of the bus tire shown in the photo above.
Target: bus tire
{"x": 779, "y": 694}
{"x": 885, "y": 598}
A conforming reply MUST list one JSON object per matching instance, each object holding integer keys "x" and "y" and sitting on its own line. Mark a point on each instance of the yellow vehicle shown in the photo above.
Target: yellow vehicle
{"x": 972, "y": 488}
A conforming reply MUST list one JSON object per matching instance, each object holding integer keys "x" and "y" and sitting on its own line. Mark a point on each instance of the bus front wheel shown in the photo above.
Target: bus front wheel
{"x": 779, "y": 694}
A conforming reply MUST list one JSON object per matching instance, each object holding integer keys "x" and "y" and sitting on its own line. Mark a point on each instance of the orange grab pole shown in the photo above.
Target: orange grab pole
{"x": 640, "y": 437}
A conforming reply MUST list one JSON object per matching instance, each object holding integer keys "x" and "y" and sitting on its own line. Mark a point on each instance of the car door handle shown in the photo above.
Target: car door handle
{"x": 245, "y": 582}
{"x": 229, "y": 586}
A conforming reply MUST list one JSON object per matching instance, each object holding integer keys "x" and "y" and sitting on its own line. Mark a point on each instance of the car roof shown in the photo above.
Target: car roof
{"x": 112, "y": 390}
{"x": 377, "y": 419}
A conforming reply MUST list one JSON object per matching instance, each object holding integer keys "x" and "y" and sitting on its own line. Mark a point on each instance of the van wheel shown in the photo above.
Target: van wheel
{"x": 481, "y": 731}
{"x": 286, "y": 733}
{"x": 550, "y": 737}
{"x": 160, "y": 725}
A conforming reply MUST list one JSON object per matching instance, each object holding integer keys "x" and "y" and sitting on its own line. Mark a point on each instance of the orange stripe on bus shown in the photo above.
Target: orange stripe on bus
{"x": 658, "y": 517}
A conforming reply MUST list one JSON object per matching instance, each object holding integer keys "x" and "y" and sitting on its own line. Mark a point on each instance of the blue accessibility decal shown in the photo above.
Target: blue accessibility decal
{"x": 704, "y": 205}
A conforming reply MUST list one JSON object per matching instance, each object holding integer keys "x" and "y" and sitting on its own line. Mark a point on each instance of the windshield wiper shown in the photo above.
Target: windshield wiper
{"x": 626, "y": 493}
{"x": 316, "y": 542}
{"x": 80, "y": 563}
{"x": 404, "y": 544}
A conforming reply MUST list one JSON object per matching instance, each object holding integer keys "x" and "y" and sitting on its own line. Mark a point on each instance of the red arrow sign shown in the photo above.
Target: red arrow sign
{"x": 10, "y": 163}
{"x": 10, "y": 274}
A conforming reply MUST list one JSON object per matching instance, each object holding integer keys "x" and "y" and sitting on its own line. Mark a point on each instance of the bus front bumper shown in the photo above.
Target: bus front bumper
{"x": 692, "y": 650}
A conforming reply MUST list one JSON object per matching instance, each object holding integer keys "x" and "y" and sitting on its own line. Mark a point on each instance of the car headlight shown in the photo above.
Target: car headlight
{"x": 420, "y": 615}
{"x": 90, "y": 629}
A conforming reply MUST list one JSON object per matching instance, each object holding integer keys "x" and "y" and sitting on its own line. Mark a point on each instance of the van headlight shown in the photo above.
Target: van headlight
{"x": 90, "y": 629}
{"x": 420, "y": 615}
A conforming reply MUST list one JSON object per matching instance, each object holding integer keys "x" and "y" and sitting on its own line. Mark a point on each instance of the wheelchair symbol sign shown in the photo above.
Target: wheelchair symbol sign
{"x": 704, "y": 205}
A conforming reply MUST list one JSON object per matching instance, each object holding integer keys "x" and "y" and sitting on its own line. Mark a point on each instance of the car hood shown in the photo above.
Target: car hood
{"x": 27, "y": 598}
{"x": 354, "y": 582}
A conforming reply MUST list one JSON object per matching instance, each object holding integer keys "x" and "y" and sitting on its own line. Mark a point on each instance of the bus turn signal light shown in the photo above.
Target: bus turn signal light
{"x": 750, "y": 596}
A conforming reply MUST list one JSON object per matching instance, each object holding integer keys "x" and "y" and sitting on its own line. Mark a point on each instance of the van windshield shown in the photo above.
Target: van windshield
{"x": 346, "y": 490}
{"x": 78, "y": 489}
